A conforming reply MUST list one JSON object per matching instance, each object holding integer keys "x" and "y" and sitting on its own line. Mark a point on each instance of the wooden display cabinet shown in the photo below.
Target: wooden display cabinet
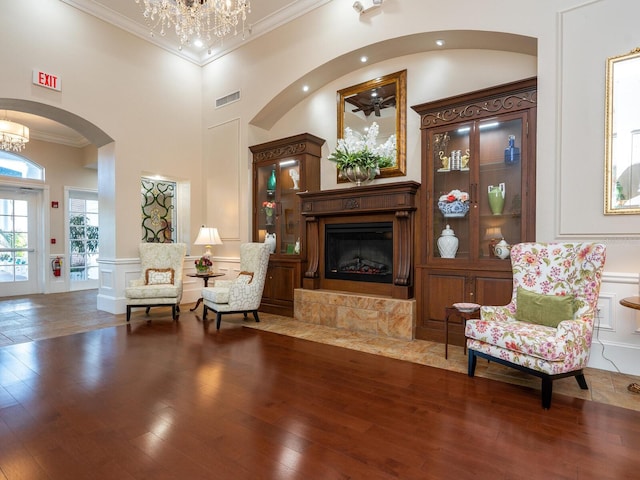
{"x": 281, "y": 169}
{"x": 474, "y": 143}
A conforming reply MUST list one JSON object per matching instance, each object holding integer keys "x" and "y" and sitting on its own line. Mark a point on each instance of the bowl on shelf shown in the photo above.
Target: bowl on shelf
{"x": 466, "y": 307}
{"x": 456, "y": 209}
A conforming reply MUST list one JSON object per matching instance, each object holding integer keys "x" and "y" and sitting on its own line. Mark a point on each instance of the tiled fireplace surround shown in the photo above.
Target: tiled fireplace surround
{"x": 381, "y": 309}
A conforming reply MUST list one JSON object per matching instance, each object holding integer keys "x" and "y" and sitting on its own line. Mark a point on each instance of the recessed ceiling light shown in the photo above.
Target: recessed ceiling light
{"x": 364, "y": 59}
{"x": 198, "y": 43}
{"x": 440, "y": 42}
{"x": 305, "y": 88}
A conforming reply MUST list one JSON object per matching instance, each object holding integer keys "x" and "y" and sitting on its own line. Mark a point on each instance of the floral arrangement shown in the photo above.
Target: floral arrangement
{"x": 203, "y": 263}
{"x": 357, "y": 150}
{"x": 454, "y": 195}
{"x": 269, "y": 207}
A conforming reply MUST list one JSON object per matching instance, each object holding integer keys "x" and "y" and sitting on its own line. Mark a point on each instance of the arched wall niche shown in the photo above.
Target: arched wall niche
{"x": 344, "y": 64}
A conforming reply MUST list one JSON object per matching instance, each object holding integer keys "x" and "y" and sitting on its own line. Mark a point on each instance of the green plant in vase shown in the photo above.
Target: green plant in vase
{"x": 203, "y": 264}
{"x": 359, "y": 158}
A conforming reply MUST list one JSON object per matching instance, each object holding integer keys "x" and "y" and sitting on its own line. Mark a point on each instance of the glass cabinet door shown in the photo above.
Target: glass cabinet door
{"x": 289, "y": 224}
{"x": 266, "y": 182}
{"x": 278, "y": 208}
{"x": 500, "y": 185}
{"x": 451, "y": 189}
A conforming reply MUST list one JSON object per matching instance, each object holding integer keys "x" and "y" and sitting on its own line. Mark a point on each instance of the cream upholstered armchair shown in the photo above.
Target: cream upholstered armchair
{"x": 547, "y": 328}
{"x": 244, "y": 293}
{"x": 161, "y": 281}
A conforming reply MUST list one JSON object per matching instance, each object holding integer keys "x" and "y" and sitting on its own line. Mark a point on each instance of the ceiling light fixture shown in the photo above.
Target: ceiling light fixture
{"x": 359, "y": 7}
{"x": 196, "y": 18}
{"x": 13, "y": 136}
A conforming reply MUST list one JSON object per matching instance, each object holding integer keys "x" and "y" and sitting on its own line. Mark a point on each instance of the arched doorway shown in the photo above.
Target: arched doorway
{"x": 38, "y": 200}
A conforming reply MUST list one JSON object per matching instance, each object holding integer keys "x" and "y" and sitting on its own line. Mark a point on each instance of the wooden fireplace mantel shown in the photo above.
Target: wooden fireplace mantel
{"x": 395, "y": 202}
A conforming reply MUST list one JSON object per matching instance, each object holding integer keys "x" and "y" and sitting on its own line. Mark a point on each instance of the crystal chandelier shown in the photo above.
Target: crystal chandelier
{"x": 13, "y": 136}
{"x": 196, "y": 19}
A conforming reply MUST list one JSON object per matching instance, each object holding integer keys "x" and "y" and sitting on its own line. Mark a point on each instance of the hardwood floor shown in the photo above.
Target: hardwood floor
{"x": 179, "y": 400}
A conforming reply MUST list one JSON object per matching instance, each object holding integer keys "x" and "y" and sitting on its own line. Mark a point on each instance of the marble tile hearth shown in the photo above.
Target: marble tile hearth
{"x": 371, "y": 314}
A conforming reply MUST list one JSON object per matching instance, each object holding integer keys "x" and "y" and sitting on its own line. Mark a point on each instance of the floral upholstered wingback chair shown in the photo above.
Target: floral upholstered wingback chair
{"x": 161, "y": 282}
{"x": 244, "y": 293}
{"x": 547, "y": 328}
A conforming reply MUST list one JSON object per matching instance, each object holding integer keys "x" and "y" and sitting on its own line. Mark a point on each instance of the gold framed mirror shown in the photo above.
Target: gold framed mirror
{"x": 622, "y": 135}
{"x": 383, "y": 101}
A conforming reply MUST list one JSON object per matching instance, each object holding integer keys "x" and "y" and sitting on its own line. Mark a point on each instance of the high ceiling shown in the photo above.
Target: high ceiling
{"x": 127, "y": 14}
{"x": 265, "y": 16}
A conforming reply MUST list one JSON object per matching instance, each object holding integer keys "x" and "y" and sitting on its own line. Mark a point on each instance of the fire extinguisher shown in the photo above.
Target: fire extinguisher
{"x": 56, "y": 266}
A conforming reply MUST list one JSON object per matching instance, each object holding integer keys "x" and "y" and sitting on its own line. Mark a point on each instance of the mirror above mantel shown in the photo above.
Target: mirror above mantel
{"x": 622, "y": 135}
{"x": 383, "y": 101}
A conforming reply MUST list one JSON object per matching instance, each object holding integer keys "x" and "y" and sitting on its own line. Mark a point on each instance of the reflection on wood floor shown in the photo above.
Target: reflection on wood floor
{"x": 168, "y": 400}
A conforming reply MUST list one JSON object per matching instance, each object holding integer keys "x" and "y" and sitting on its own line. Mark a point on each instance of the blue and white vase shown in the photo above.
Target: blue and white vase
{"x": 455, "y": 209}
{"x": 511, "y": 153}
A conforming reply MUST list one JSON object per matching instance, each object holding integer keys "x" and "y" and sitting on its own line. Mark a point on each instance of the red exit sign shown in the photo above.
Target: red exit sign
{"x": 47, "y": 80}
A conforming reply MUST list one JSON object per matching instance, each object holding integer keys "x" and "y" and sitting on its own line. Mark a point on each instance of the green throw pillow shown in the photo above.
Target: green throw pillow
{"x": 547, "y": 310}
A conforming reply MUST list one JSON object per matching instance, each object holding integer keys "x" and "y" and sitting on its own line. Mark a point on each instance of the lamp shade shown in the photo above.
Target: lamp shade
{"x": 493, "y": 232}
{"x": 208, "y": 236}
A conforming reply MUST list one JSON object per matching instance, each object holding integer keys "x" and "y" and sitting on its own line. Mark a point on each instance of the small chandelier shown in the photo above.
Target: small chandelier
{"x": 13, "y": 136}
{"x": 196, "y": 19}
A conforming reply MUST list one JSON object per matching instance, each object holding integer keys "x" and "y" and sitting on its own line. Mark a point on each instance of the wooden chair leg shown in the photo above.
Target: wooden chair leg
{"x": 148, "y": 308}
{"x": 204, "y": 312}
{"x": 547, "y": 389}
{"x": 173, "y": 312}
{"x": 582, "y": 381}
{"x": 255, "y": 315}
{"x": 218, "y": 320}
{"x": 471, "y": 363}
{"x": 128, "y": 312}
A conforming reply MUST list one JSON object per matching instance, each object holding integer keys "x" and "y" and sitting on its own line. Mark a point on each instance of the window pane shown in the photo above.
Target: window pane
{"x": 14, "y": 165}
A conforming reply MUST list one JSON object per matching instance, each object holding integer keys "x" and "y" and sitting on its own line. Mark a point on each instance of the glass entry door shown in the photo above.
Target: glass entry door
{"x": 18, "y": 239}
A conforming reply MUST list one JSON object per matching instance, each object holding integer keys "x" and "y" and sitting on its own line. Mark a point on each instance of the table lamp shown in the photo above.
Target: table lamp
{"x": 208, "y": 236}
{"x": 493, "y": 234}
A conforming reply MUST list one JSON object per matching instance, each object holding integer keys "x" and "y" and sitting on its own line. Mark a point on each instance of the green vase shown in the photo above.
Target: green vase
{"x": 271, "y": 182}
{"x": 496, "y": 198}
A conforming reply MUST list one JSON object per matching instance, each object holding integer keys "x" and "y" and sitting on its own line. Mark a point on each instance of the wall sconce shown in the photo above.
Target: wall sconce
{"x": 359, "y": 7}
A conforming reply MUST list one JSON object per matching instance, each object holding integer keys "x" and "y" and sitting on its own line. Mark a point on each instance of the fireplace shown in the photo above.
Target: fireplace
{"x": 352, "y": 220}
{"x": 361, "y": 252}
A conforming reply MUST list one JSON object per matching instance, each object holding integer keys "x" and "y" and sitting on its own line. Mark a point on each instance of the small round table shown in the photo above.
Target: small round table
{"x": 454, "y": 312}
{"x": 205, "y": 278}
{"x": 632, "y": 302}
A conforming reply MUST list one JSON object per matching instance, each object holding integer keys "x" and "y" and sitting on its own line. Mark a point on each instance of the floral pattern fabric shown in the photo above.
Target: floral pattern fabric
{"x": 568, "y": 269}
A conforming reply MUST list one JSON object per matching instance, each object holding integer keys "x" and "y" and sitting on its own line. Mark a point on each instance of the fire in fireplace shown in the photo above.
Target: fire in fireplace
{"x": 359, "y": 251}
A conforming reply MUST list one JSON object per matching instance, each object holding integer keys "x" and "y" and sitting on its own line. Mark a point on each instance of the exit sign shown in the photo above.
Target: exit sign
{"x": 47, "y": 80}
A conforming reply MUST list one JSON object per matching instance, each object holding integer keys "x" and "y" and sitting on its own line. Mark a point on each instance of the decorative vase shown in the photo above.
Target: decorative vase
{"x": 271, "y": 182}
{"x": 448, "y": 243}
{"x": 455, "y": 209}
{"x": 496, "y": 198}
{"x": 270, "y": 239}
{"x": 511, "y": 153}
{"x": 269, "y": 218}
{"x": 359, "y": 175}
{"x": 503, "y": 249}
